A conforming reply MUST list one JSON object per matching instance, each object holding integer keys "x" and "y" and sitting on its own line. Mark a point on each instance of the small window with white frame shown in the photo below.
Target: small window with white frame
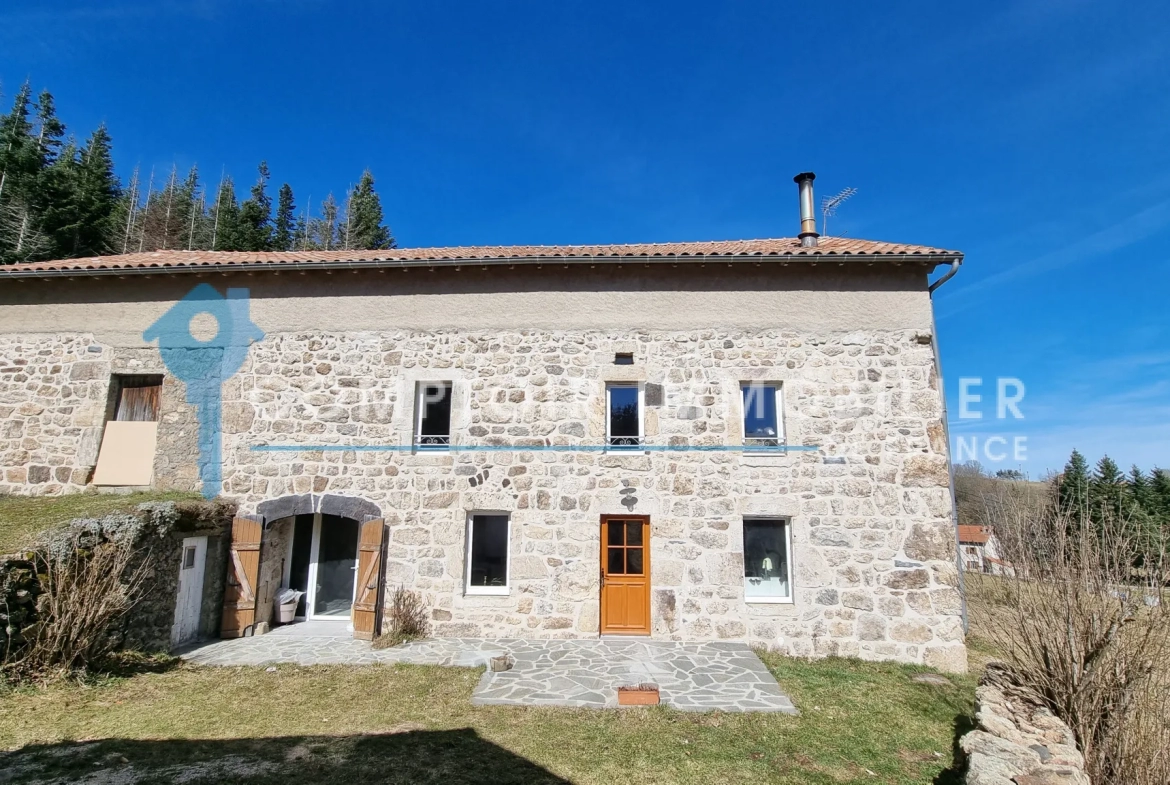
{"x": 432, "y": 426}
{"x": 763, "y": 422}
{"x": 767, "y": 560}
{"x": 487, "y": 553}
{"x": 623, "y": 416}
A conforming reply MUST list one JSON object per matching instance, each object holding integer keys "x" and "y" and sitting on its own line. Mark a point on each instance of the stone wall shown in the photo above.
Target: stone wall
{"x": 1017, "y": 741}
{"x": 156, "y": 531}
{"x": 53, "y": 392}
{"x": 873, "y": 560}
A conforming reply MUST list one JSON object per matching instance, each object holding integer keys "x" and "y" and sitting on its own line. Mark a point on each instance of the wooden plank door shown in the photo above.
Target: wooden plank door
{"x": 188, "y": 609}
{"x": 243, "y": 572}
{"x": 369, "y": 572}
{"x": 625, "y": 575}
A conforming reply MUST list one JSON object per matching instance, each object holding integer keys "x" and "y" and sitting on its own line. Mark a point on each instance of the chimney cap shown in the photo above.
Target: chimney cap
{"x": 804, "y": 176}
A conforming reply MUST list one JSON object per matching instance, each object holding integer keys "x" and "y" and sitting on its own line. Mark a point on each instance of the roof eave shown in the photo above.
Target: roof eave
{"x": 933, "y": 259}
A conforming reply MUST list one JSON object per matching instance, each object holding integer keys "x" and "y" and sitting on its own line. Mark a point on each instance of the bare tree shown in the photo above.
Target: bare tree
{"x": 1086, "y": 630}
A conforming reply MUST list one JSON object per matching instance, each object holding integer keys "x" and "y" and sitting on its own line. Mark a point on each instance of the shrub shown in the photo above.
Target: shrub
{"x": 1087, "y": 631}
{"x": 406, "y": 619}
{"x": 83, "y": 587}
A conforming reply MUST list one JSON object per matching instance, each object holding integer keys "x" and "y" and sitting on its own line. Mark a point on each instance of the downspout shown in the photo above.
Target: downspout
{"x": 948, "y": 275}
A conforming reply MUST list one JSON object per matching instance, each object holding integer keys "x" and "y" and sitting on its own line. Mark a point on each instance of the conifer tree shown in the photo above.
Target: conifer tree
{"x": 285, "y": 224}
{"x": 255, "y": 218}
{"x": 1140, "y": 490}
{"x": 1073, "y": 485}
{"x": 95, "y": 197}
{"x": 1107, "y": 488}
{"x": 364, "y": 216}
{"x": 323, "y": 230}
{"x": 1160, "y": 493}
{"x": 18, "y": 160}
{"x": 20, "y": 236}
{"x": 226, "y": 230}
{"x": 50, "y": 130}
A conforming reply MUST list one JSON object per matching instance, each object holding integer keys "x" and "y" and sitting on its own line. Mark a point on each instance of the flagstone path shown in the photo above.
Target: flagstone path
{"x": 722, "y": 675}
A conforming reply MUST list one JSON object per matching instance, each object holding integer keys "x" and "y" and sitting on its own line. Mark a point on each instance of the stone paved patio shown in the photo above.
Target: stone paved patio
{"x": 581, "y": 673}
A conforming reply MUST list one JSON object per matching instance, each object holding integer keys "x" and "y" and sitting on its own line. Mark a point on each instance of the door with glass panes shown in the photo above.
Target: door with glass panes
{"x": 625, "y": 575}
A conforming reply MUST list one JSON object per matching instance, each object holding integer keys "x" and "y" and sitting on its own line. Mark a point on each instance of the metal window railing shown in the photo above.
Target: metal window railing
{"x": 624, "y": 442}
{"x": 423, "y": 442}
{"x": 762, "y": 442}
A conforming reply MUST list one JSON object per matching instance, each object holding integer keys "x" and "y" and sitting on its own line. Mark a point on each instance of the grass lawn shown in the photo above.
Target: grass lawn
{"x": 859, "y": 723}
{"x": 23, "y": 517}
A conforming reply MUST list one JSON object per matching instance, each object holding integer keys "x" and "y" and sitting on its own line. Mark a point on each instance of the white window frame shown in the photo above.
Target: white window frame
{"x": 791, "y": 598}
{"x": 753, "y": 445}
{"x": 641, "y": 388}
{"x": 420, "y": 409}
{"x": 488, "y": 591}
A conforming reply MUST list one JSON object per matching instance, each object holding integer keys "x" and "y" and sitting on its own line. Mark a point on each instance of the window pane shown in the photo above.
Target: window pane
{"x": 623, "y": 411}
{"x": 489, "y": 550}
{"x": 765, "y": 558}
{"x": 634, "y": 533}
{"x": 759, "y": 411}
{"x": 615, "y": 533}
{"x": 633, "y": 561}
{"x": 616, "y": 561}
{"x": 436, "y": 408}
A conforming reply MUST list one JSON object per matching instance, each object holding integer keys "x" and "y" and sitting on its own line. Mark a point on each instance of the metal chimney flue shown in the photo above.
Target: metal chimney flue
{"x": 808, "y": 222}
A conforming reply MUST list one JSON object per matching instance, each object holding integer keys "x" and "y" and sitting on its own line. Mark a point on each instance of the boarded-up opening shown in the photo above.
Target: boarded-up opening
{"x": 138, "y": 398}
{"x": 128, "y": 445}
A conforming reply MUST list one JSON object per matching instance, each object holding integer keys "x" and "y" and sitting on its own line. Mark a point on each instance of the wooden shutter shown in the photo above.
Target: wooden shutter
{"x": 243, "y": 572}
{"x": 365, "y": 606}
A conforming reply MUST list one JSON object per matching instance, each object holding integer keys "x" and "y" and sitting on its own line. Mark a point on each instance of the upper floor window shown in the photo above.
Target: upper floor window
{"x": 432, "y": 428}
{"x": 762, "y": 425}
{"x": 623, "y": 424}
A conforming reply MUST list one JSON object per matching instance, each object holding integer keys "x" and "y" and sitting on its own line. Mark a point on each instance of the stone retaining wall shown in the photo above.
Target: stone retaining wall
{"x": 1017, "y": 741}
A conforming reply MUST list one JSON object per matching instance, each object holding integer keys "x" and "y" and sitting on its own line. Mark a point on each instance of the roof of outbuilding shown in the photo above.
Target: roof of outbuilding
{"x": 783, "y": 249}
{"x": 975, "y": 535}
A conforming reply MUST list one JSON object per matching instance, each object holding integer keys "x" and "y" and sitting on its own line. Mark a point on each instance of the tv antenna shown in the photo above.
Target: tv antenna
{"x": 829, "y": 207}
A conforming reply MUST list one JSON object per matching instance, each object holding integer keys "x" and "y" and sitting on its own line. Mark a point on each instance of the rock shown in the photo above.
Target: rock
{"x": 925, "y": 471}
{"x": 908, "y": 579}
{"x": 871, "y": 627}
{"x": 933, "y": 679}
{"x": 930, "y": 542}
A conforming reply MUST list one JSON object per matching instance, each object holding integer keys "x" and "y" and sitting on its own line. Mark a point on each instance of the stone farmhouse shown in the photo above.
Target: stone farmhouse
{"x": 737, "y": 440}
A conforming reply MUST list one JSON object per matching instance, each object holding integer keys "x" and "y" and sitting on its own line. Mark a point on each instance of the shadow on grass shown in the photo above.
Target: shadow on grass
{"x": 955, "y": 774}
{"x": 456, "y": 757}
{"x": 124, "y": 664}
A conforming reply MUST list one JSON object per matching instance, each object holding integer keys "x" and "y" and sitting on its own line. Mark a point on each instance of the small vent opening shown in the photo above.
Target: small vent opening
{"x": 623, "y": 358}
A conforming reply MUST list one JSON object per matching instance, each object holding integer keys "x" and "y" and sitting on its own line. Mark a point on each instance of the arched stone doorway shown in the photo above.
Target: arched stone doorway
{"x": 330, "y": 548}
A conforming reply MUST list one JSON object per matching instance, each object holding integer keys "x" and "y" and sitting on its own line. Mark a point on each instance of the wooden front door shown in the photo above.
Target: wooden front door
{"x": 625, "y": 575}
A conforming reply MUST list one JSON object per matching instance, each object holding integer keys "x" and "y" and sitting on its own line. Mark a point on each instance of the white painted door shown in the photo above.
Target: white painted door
{"x": 192, "y": 564}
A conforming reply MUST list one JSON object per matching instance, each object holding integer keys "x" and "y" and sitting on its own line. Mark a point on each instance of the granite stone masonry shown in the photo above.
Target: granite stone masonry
{"x": 873, "y": 547}
{"x": 319, "y": 426}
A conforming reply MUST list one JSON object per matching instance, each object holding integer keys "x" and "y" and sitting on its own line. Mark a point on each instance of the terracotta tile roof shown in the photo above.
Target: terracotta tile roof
{"x": 779, "y": 249}
{"x": 974, "y": 535}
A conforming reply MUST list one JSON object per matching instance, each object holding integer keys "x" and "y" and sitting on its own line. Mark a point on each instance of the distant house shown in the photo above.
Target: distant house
{"x": 981, "y": 551}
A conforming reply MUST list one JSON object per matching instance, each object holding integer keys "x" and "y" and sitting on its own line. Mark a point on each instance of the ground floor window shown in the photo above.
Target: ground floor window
{"x": 487, "y": 554}
{"x": 767, "y": 560}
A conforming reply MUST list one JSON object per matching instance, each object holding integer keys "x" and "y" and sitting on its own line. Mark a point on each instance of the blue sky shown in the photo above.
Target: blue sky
{"x": 1031, "y": 135}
